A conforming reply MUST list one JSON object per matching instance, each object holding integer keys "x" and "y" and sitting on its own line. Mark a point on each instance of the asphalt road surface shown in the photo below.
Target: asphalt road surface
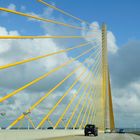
{"x": 112, "y": 136}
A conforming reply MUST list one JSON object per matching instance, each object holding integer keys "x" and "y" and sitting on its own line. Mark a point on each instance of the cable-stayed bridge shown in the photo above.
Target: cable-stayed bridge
{"x": 86, "y": 96}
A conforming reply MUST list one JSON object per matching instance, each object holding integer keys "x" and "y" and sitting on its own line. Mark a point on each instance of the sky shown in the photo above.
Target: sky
{"x": 122, "y": 19}
{"x": 121, "y": 16}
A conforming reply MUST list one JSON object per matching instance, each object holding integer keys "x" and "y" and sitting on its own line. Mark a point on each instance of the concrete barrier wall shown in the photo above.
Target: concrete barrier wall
{"x": 36, "y": 134}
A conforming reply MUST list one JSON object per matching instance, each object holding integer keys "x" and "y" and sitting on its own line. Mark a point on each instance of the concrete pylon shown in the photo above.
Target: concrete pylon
{"x": 108, "y": 116}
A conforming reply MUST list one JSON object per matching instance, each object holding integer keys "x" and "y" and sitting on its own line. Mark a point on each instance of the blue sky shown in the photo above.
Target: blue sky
{"x": 122, "y": 16}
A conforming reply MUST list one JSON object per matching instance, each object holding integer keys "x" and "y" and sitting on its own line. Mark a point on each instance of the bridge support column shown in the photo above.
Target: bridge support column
{"x": 107, "y": 108}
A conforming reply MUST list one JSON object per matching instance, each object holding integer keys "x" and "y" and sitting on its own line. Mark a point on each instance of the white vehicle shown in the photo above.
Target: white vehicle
{"x": 107, "y": 130}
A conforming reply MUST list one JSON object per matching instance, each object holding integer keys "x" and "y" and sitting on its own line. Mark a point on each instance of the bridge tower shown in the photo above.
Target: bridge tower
{"x": 107, "y": 109}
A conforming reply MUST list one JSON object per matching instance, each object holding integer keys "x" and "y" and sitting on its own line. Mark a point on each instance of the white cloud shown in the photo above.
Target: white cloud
{"x": 11, "y": 79}
{"x": 125, "y": 79}
{"x": 95, "y": 34}
{"x": 5, "y": 45}
{"x": 23, "y": 8}
{"x": 13, "y": 50}
{"x": 111, "y": 43}
{"x": 127, "y": 106}
{"x": 11, "y": 6}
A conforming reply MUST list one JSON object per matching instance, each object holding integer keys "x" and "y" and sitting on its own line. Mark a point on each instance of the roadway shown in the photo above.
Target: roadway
{"x": 102, "y": 136}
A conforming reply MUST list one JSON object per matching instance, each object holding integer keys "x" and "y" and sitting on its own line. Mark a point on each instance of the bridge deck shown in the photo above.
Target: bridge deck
{"x": 100, "y": 137}
{"x": 61, "y": 135}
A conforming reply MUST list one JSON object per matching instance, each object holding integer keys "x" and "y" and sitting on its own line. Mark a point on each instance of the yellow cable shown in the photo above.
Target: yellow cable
{"x": 44, "y": 119}
{"x": 68, "y": 106}
{"x": 50, "y": 122}
{"x": 85, "y": 113}
{"x": 89, "y": 111}
{"x": 43, "y": 76}
{"x": 99, "y": 114}
{"x": 42, "y": 56}
{"x": 20, "y": 125}
{"x": 77, "y": 105}
{"x": 92, "y": 106}
{"x": 39, "y": 37}
{"x": 60, "y": 100}
{"x": 79, "y": 115}
{"x": 94, "y": 114}
{"x": 31, "y": 122}
{"x": 71, "y": 101}
{"x": 46, "y": 95}
{"x": 57, "y": 123}
{"x": 61, "y": 11}
{"x": 41, "y": 19}
{"x": 68, "y": 122}
{"x": 97, "y": 79}
{"x": 77, "y": 120}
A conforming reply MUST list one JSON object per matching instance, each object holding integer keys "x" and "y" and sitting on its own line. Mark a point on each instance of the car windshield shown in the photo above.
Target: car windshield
{"x": 90, "y": 126}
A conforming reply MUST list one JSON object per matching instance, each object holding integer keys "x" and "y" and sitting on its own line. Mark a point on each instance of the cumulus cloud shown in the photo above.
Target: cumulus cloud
{"x": 125, "y": 78}
{"x": 11, "y": 6}
{"x": 111, "y": 43}
{"x": 23, "y": 8}
{"x": 95, "y": 34}
{"x": 13, "y": 50}
{"x": 13, "y": 78}
{"x": 126, "y": 64}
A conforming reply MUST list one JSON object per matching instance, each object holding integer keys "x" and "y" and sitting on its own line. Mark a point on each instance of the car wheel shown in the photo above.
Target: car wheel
{"x": 95, "y": 134}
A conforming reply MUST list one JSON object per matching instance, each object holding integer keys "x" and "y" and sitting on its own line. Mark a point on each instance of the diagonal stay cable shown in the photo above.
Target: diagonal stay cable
{"x": 88, "y": 105}
{"x": 43, "y": 76}
{"x": 60, "y": 100}
{"x": 47, "y": 37}
{"x": 87, "y": 111}
{"x": 62, "y": 11}
{"x": 83, "y": 105}
{"x": 39, "y": 37}
{"x": 98, "y": 95}
{"x": 77, "y": 120}
{"x": 42, "y": 56}
{"x": 77, "y": 105}
{"x": 65, "y": 13}
{"x": 95, "y": 105}
{"x": 41, "y": 19}
{"x": 46, "y": 95}
{"x": 92, "y": 104}
{"x": 72, "y": 99}
{"x": 95, "y": 92}
{"x": 66, "y": 107}
{"x": 91, "y": 108}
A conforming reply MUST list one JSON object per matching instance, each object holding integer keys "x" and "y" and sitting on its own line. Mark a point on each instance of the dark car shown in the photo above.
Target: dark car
{"x": 122, "y": 131}
{"x": 50, "y": 128}
{"x": 91, "y": 129}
